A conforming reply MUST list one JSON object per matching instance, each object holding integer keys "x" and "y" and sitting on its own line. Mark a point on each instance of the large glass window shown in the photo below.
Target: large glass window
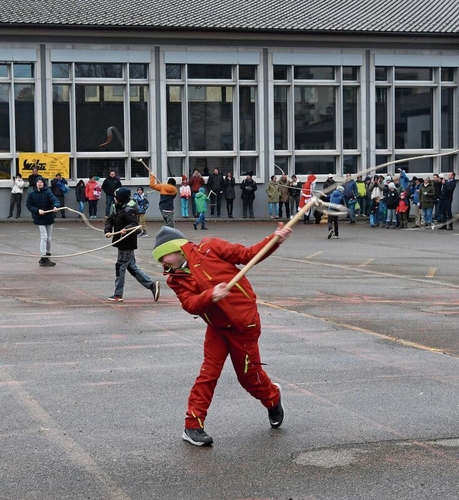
{"x": 138, "y": 107}
{"x": 174, "y": 117}
{"x": 315, "y": 124}
{"x": 315, "y": 164}
{"x": 61, "y": 117}
{"x": 350, "y": 119}
{"x": 247, "y": 115}
{"x": 413, "y": 117}
{"x": 381, "y": 118}
{"x": 5, "y": 146}
{"x": 447, "y": 118}
{"x": 280, "y": 118}
{"x": 24, "y": 115}
{"x": 97, "y": 108}
{"x": 210, "y": 118}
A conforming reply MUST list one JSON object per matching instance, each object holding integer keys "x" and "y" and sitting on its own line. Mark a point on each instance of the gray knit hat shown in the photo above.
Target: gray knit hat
{"x": 168, "y": 240}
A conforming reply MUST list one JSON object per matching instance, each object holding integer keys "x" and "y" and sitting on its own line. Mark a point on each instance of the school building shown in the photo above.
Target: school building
{"x": 320, "y": 86}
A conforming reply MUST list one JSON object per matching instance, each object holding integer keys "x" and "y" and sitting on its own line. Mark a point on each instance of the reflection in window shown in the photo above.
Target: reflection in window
{"x": 23, "y": 70}
{"x": 247, "y": 123}
{"x": 206, "y": 71}
{"x": 138, "y": 71}
{"x": 316, "y": 164}
{"x": 413, "y": 117}
{"x": 100, "y": 167}
{"x": 381, "y": 74}
{"x": 421, "y": 165}
{"x": 174, "y": 117}
{"x": 210, "y": 118}
{"x": 447, "y": 118}
{"x": 3, "y": 70}
{"x": 61, "y": 117}
{"x": 174, "y": 167}
{"x": 5, "y": 169}
{"x": 314, "y": 73}
{"x": 173, "y": 72}
{"x": 138, "y": 107}
{"x": 138, "y": 168}
{"x": 381, "y": 118}
{"x": 413, "y": 74}
{"x": 207, "y": 165}
{"x": 247, "y": 72}
{"x": 350, "y": 73}
{"x": 97, "y": 109}
{"x": 280, "y": 72}
{"x": 249, "y": 164}
{"x": 280, "y": 118}
{"x": 350, "y": 123}
{"x": 447, "y": 74}
{"x": 5, "y": 146}
{"x": 24, "y": 117}
{"x": 315, "y": 126}
{"x": 83, "y": 70}
{"x": 350, "y": 164}
{"x": 61, "y": 70}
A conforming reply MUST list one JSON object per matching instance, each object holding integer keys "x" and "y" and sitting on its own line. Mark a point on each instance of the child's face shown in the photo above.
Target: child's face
{"x": 172, "y": 261}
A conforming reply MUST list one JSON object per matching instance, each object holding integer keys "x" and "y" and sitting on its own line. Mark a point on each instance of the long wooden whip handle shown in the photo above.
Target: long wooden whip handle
{"x": 256, "y": 258}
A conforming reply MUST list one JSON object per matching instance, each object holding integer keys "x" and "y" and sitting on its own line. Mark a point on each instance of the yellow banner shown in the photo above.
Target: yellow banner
{"x": 48, "y": 164}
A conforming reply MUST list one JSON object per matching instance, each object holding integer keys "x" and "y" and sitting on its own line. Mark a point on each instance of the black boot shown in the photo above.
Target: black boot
{"x": 450, "y": 227}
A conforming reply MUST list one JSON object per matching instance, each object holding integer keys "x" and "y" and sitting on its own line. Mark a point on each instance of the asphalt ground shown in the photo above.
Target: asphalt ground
{"x": 361, "y": 333}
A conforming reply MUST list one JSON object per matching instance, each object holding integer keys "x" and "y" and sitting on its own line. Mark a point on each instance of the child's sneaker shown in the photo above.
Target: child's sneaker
{"x": 116, "y": 298}
{"x": 198, "y": 437}
{"x": 155, "y": 290}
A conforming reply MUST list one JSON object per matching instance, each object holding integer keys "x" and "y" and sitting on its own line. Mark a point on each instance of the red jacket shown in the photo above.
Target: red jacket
{"x": 210, "y": 262}
{"x": 306, "y": 191}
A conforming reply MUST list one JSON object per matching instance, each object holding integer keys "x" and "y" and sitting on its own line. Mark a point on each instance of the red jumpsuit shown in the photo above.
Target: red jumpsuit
{"x": 233, "y": 323}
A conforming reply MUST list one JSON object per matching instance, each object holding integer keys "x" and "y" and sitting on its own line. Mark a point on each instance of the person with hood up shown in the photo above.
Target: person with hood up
{"x": 43, "y": 206}
{"x": 198, "y": 274}
{"x": 123, "y": 218}
{"x": 273, "y": 191}
{"x": 201, "y": 200}
{"x": 336, "y": 198}
{"x": 142, "y": 205}
{"x": 167, "y": 194}
{"x": 306, "y": 194}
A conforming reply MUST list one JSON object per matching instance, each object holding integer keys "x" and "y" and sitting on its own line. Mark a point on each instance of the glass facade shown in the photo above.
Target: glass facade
{"x": 238, "y": 117}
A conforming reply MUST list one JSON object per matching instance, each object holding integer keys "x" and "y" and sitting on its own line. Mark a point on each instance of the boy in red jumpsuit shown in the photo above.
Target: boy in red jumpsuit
{"x": 198, "y": 274}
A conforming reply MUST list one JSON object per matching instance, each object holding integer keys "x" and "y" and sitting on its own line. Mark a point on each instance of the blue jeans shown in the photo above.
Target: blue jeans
{"x": 201, "y": 219}
{"x": 126, "y": 261}
{"x": 427, "y": 212}
{"x": 273, "y": 209}
{"x": 391, "y": 216}
{"x": 108, "y": 204}
{"x": 81, "y": 206}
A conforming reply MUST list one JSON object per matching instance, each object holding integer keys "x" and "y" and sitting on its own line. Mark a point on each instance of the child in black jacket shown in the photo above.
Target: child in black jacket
{"x": 123, "y": 218}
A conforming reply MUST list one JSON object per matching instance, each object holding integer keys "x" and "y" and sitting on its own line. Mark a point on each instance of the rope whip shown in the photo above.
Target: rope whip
{"x": 86, "y": 221}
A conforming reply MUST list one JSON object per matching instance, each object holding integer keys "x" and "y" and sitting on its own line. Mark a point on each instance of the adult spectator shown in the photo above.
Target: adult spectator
{"x": 229, "y": 193}
{"x": 437, "y": 184}
{"x": 446, "y": 201}
{"x": 17, "y": 185}
{"x": 427, "y": 200}
{"x": 284, "y": 197}
{"x": 248, "y": 186}
{"x": 273, "y": 192}
{"x": 295, "y": 193}
{"x": 350, "y": 196}
{"x": 32, "y": 179}
{"x": 60, "y": 188}
{"x": 414, "y": 195}
{"x": 215, "y": 186}
{"x": 195, "y": 182}
{"x": 109, "y": 186}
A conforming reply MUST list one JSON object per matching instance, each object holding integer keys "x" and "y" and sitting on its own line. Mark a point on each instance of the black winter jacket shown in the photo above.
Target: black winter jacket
{"x": 44, "y": 200}
{"x": 123, "y": 217}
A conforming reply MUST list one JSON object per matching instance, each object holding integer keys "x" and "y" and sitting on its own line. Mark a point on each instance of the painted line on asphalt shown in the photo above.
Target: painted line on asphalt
{"x": 314, "y": 255}
{"x": 431, "y": 272}
{"x": 396, "y": 340}
{"x": 358, "y": 269}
